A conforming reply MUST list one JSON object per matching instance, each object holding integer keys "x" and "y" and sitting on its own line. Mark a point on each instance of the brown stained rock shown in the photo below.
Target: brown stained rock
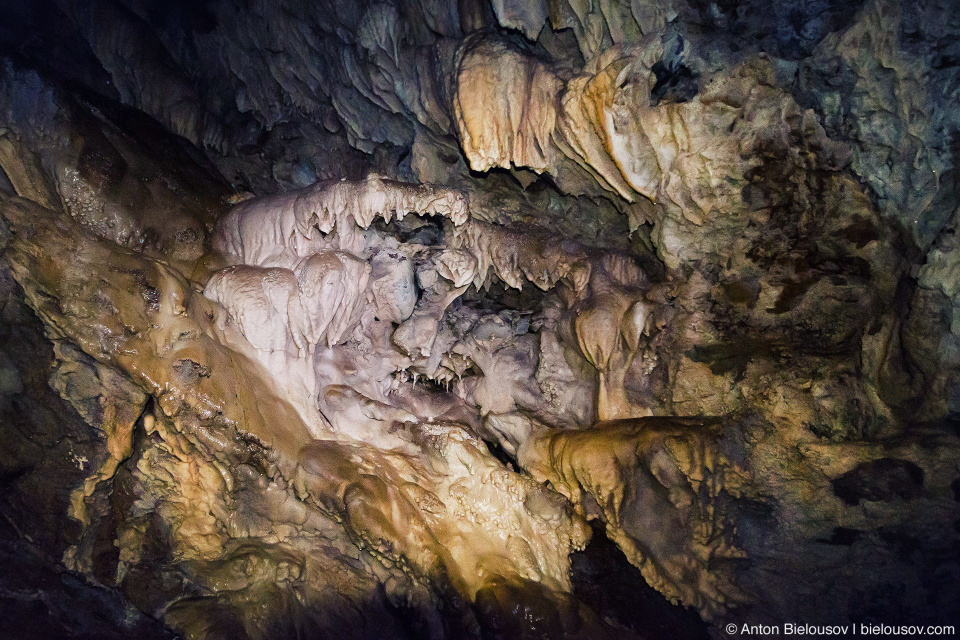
{"x": 445, "y": 482}
{"x": 788, "y": 175}
{"x": 705, "y": 508}
{"x": 630, "y": 470}
{"x": 55, "y": 259}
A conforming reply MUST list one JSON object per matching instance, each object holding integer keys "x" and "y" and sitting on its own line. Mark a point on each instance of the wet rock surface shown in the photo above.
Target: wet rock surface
{"x": 419, "y": 319}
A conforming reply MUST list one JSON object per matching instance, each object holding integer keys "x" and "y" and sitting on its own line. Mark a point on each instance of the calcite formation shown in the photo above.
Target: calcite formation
{"x": 361, "y": 318}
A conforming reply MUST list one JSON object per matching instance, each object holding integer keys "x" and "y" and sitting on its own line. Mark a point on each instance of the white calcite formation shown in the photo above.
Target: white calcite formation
{"x": 319, "y": 289}
{"x": 281, "y": 230}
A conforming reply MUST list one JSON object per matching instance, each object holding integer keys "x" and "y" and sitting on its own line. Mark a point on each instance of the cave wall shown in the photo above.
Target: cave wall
{"x": 354, "y": 315}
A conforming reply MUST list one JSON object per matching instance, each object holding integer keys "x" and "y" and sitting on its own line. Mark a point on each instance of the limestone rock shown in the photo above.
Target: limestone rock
{"x": 353, "y": 316}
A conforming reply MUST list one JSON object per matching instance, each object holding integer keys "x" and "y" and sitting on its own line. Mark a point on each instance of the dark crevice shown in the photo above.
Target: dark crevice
{"x": 885, "y": 480}
{"x": 605, "y": 580}
{"x": 497, "y": 451}
{"x": 674, "y": 84}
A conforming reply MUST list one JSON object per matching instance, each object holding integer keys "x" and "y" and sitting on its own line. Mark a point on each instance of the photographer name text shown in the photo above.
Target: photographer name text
{"x": 823, "y": 630}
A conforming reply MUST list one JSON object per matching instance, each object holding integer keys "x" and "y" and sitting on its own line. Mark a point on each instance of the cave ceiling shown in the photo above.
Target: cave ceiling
{"x": 478, "y": 319}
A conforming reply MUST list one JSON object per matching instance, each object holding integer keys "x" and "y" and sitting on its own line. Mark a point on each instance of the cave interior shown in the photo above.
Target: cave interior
{"x": 487, "y": 319}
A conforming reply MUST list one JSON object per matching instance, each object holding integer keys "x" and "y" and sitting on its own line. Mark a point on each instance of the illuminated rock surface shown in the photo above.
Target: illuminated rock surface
{"x": 360, "y": 320}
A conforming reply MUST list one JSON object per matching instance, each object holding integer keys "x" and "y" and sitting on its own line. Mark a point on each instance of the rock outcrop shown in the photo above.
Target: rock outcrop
{"x": 365, "y": 316}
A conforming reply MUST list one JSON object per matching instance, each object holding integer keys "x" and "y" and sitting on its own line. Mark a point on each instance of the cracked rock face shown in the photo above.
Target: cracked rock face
{"x": 362, "y": 319}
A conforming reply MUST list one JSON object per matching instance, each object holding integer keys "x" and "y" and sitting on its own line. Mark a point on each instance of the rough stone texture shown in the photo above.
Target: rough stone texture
{"x": 493, "y": 271}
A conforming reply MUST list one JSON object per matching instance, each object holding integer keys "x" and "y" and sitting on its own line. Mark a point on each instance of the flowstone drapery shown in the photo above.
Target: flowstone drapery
{"x": 360, "y": 319}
